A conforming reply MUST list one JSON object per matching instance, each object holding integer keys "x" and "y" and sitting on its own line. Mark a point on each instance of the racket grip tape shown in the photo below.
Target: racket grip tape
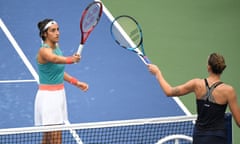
{"x": 80, "y": 48}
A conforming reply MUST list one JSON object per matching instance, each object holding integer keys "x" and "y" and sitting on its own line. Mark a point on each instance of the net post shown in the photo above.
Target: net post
{"x": 228, "y": 123}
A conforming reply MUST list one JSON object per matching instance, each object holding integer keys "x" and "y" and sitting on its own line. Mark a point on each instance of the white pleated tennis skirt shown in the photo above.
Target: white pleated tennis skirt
{"x": 50, "y": 105}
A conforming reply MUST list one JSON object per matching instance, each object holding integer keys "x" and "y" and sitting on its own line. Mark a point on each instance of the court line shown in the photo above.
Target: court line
{"x": 19, "y": 50}
{"x": 17, "y": 81}
{"x": 176, "y": 99}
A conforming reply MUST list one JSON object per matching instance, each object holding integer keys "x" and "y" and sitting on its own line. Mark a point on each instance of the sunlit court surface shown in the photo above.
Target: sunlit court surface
{"x": 120, "y": 85}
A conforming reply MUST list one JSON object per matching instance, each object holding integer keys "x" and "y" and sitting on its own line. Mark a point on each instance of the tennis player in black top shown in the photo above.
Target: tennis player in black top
{"x": 212, "y": 98}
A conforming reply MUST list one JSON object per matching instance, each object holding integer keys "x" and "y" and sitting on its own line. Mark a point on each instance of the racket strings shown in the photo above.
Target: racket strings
{"x": 135, "y": 36}
{"x": 126, "y": 33}
{"x": 91, "y": 17}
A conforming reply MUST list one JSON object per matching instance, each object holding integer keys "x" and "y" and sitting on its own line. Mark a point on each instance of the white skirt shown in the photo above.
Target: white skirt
{"x": 50, "y": 107}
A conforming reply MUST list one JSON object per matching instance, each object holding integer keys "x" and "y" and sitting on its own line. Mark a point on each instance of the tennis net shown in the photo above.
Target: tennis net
{"x": 137, "y": 131}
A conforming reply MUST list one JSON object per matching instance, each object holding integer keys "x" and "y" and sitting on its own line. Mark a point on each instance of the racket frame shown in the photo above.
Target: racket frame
{"x": 85, "y": 34}
{"x": 134, "y": 48}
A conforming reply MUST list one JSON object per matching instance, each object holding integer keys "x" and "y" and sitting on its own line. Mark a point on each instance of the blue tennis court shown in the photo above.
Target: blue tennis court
{"x": 121, "y": 88}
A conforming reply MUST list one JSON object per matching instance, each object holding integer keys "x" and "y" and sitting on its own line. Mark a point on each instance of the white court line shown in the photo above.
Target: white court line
{"x": 74, "y": 133}
{"x": 177, "y": 100}
{"x": 19, "y": 50}
{"x": 17, "y": 81}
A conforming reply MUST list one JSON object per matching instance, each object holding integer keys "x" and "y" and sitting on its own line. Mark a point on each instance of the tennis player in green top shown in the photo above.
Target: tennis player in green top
{"x": 50, "y": 101}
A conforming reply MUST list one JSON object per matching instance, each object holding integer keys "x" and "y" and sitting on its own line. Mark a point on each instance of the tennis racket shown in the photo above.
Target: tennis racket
{"x": 90, "y": 18}
{"x": 127, "y": 33}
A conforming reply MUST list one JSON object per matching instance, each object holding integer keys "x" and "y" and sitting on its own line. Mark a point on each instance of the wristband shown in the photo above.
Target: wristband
{"x": 73, "y": 81}
{"x": 69, "y": 60}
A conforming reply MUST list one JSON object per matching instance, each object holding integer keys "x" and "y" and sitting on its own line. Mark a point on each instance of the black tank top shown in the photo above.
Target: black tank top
{"x": 210, "y": 114}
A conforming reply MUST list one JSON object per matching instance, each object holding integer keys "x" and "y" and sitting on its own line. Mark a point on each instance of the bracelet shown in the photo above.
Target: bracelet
{"x": 73, "y": 81}
{"x": 69, "y": 60}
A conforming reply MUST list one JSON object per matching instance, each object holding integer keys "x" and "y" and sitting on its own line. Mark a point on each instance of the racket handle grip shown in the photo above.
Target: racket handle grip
{"x": 79, "y": 51}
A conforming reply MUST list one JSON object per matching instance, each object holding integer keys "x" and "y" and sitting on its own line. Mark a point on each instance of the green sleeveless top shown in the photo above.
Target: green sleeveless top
{"x": 51, "y": 73}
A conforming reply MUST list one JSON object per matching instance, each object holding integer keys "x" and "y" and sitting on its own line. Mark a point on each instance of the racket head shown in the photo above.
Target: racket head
{"x": 90, "y": 18}
{"x": 126, "y": 32}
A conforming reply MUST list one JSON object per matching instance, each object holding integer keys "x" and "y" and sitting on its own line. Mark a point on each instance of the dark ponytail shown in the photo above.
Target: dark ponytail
{"x": 217, "y": 63}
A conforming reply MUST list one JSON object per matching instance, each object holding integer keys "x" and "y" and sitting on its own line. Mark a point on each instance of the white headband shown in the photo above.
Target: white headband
{"x": 49, "y": 24}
